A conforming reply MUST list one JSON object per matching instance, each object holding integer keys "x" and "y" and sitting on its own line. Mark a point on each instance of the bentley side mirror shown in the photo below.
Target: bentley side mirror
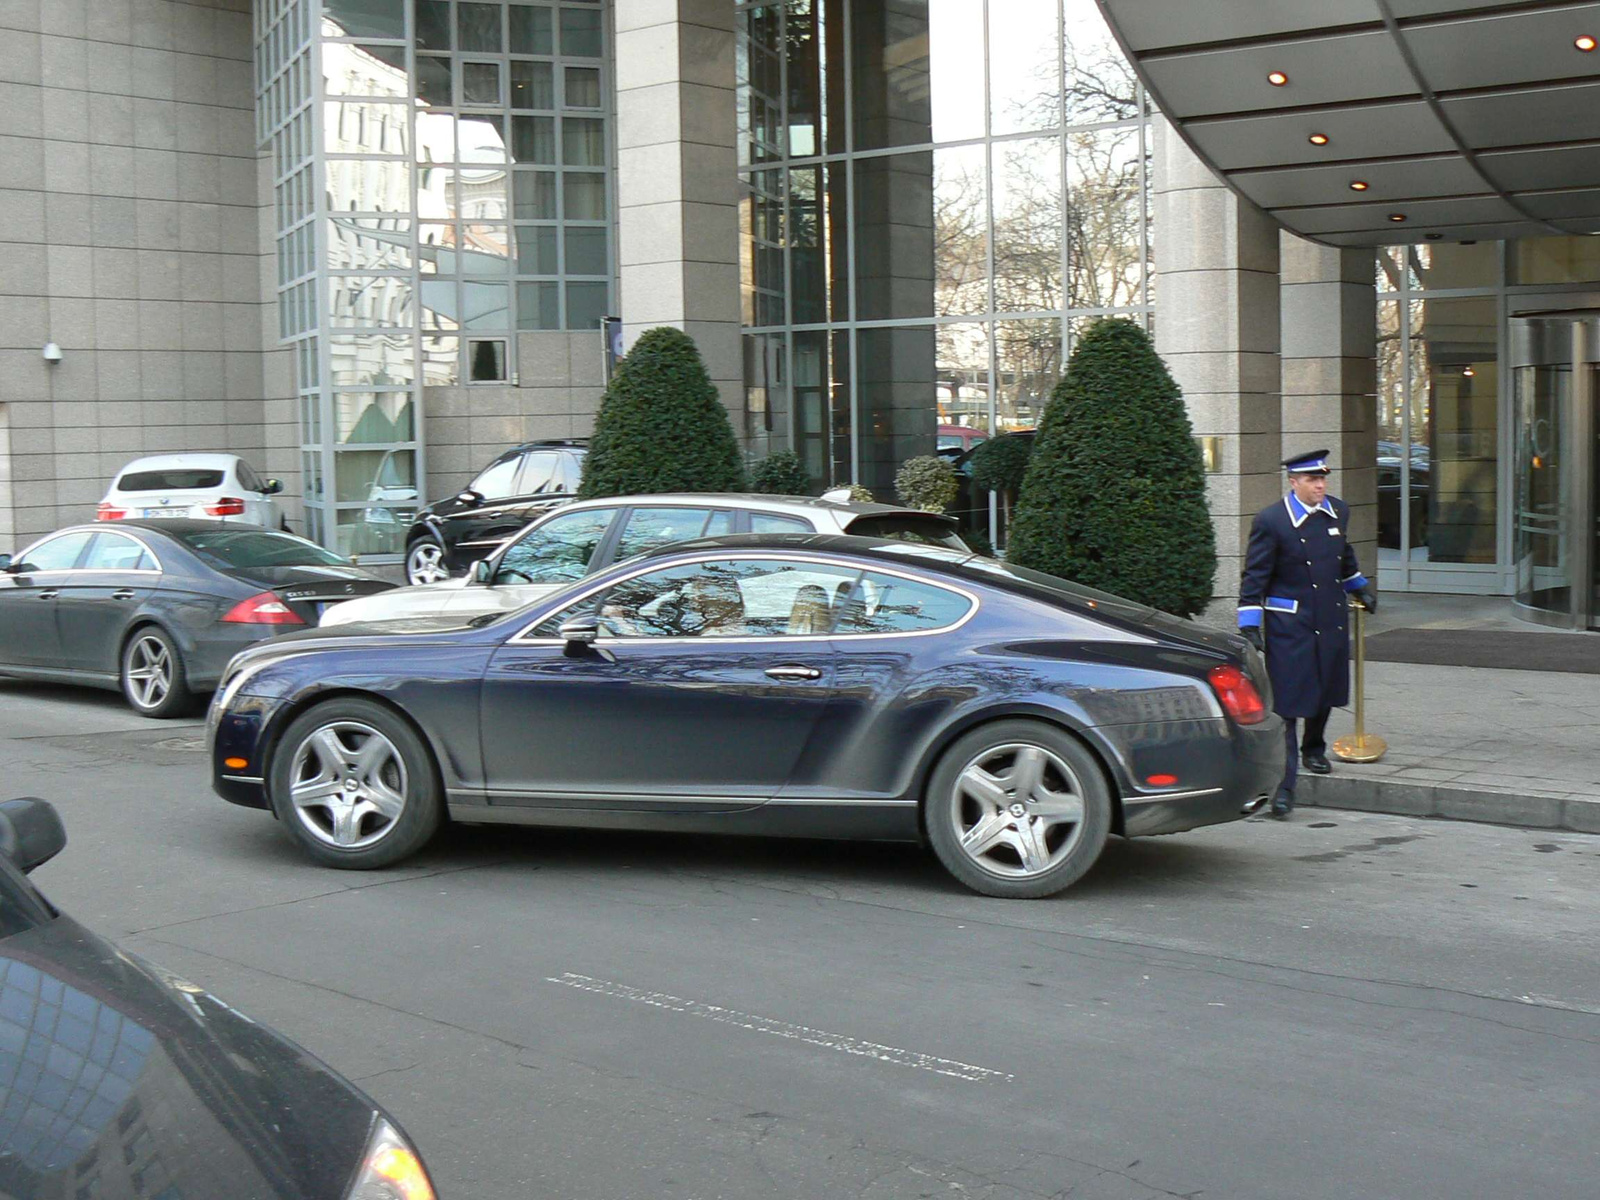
{"x": 273, "y": 487}
{"x": 580, "y": 631}
{"x": 31, "y": 833}
{"x": 469, "y": 497}
{"x": 482, "y": 572}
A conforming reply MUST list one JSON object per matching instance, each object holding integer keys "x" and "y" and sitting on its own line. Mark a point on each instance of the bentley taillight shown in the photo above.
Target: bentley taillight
{"x": 1237, "y": 694}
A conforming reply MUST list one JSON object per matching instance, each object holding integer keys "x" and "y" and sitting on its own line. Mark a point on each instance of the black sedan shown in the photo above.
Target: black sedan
{"x": 813, "y": 685}
{"x": 447, "y": 537}
{"x": 119, "y": 1080}
{"x": 157, "y": 608}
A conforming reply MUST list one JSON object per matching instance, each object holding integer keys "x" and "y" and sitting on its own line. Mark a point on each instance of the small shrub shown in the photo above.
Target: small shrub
{"x": 861, "y": 494}
{"x": 661, "y": 426}
{"x": 1115, "y": 493}
{"x": 780, "y": 474}
{"x": 927, "y": 482}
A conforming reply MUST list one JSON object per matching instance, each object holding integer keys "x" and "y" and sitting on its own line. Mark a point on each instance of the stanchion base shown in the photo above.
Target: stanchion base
{"x": 1364, "y": 749}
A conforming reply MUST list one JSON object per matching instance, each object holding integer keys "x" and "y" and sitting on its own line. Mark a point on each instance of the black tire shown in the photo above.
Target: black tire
{"x": 372, "y": 835}
{"x": 154, "y": 680}
{"x": 1069, "y": 781}
{"x": 425, "y": 552}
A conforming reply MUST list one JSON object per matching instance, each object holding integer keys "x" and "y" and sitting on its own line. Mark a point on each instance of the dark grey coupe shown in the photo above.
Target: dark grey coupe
{"x": 157, "y": 607}
{"x": 120, "y": 1081}
{"x": 812, "y": 685}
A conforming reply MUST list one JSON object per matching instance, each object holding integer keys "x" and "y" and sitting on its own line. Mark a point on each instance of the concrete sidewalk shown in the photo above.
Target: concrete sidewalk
{"x": 1471, "y": 743}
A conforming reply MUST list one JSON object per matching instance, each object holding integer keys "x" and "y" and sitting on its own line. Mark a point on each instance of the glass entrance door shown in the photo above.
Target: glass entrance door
{"x": 1555, "y": 535}
{"x": 1544, "y": 580}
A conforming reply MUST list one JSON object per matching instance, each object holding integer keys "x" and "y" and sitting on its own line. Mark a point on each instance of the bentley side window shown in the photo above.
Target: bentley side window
{"x": 720, "y": 598}
{"x": 890, "y": 604}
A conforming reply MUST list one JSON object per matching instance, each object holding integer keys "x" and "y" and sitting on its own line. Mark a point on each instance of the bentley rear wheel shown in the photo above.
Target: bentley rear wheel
{"x": 1018, "y": 809}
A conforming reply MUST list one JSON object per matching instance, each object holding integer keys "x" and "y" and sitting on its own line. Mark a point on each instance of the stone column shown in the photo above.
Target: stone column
{"x": 677, "y": 175}
{"x": 1330, "y": 374}
{"x": 1217, "y": 328}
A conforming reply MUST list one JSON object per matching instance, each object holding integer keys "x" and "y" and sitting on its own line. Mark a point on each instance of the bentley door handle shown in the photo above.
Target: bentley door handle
{"x": 793, "y": 672}
{"x": 50, "y": 595}
{"x": 122, "y": 594}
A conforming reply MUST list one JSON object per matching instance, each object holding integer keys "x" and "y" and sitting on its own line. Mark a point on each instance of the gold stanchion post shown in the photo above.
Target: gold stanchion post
{"x": 1364, "y": 747}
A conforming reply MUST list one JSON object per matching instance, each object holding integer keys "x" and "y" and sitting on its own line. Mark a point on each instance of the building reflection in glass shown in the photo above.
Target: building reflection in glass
{"x": 913, "y": 235}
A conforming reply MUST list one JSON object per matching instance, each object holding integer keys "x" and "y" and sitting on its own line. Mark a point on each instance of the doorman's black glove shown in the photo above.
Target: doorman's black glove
{"x": 1368, "y": 596}
{"x": 1252, "y": 634}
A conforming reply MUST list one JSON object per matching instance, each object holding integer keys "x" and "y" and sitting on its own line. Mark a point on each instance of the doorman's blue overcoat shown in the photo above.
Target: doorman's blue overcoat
{"x": 1297, "y": 570}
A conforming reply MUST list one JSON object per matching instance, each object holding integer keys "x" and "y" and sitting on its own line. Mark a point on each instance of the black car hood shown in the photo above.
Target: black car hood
{"x": 114, "y": 1072}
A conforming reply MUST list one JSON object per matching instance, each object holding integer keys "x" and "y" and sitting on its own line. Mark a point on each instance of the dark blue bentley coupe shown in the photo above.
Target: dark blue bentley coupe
{"x": 795, "y": 684}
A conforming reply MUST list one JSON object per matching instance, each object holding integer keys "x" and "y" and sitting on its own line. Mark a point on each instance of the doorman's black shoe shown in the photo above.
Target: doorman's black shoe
{"x": 1283, "y": 805}
{"x": 1317, "y": 764}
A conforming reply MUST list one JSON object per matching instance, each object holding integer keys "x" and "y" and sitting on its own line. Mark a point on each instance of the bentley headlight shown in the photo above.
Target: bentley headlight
{"x": 391, "y": 1169}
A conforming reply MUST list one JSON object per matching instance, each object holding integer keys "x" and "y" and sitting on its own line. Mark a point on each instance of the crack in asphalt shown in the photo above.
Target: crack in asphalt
{"x": 343, "y": 889}
{"x": 333, "y": 991}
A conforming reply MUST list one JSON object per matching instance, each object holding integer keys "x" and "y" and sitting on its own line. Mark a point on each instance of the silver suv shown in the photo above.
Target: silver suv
{"x": 573, "y": 541}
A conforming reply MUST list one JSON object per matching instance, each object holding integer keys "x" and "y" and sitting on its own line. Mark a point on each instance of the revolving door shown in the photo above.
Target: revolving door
{"x": 1555, "y": 539}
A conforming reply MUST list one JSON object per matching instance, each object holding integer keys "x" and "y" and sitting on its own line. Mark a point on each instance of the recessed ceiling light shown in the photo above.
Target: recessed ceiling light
{"x": 1318, "y": 139}
{"x": 1397, "y": 217}
{"x": 1358, "y": 185}
{"x": 1468, "y": 372}
{"x": 1433, "y": 237}
{"x": 1277, "y": 78}
{"x": 1585, "y": 43}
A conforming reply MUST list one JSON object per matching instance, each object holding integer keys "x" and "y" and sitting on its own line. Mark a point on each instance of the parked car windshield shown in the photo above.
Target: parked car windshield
{"x": 171, "y": 480}
{"x": 229, "y": 548}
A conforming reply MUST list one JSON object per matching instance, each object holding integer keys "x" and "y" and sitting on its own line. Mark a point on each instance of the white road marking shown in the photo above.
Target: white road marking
{"x": 784, "y": 1029}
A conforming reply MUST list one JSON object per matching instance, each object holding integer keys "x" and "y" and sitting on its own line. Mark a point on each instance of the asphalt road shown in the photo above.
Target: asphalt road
{"x": 1347, "y": 1006}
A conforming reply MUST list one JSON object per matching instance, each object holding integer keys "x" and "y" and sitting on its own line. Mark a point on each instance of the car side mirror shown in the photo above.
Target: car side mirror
{"x": 482, "y": 572}
{"x": 469, "y": 497}
{"x": 31, "y": 832}
{"x": 5, "y": 562}
{"x": 272, "y": 488}
{"x": 580, "y": 631}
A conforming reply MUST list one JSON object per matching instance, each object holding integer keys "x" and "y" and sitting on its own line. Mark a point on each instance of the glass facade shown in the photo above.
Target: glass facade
{"x": 1451, "y": 515}
{"x": 933, "y": 196}
{"x": 442, "y": 180}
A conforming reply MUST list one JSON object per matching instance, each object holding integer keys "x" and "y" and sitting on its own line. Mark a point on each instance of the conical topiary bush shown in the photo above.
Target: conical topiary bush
{"x": 1115, "y": 495}
{"x": 661, "y": 427}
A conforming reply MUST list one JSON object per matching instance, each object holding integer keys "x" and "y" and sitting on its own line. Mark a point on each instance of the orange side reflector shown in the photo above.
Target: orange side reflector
{"x": 1161, "y": 780}
{"x": 236, "y": 764}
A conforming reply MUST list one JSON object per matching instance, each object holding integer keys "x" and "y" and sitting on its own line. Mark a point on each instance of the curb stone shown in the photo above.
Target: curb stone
{"x": 1417, "y": 798}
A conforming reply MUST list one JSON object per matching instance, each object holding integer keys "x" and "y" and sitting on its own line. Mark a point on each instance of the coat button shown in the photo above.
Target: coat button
{"x": 1308, "y": 562}
{"x": 1313, "y": 587}
{"x": 1318, "y": 632}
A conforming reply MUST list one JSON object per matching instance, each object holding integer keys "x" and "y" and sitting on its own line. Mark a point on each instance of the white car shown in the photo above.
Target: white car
{"x": 201, "y": 486}
{"x": 580, "y": 538}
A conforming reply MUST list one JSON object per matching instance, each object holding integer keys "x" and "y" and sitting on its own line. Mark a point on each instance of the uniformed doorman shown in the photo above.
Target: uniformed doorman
{"x": 1297, "y": 571}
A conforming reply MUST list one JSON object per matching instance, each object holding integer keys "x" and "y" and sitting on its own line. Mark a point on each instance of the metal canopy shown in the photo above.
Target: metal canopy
{"x": 1464, "y": 119}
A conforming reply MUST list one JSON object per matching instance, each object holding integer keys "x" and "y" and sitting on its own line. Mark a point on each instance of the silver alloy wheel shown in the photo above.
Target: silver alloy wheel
{"x": 347, "y": 784}
{"x": 1018, "y": 810}
{"x": 149, "y": 671}
{"x": 425, "y": 563}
